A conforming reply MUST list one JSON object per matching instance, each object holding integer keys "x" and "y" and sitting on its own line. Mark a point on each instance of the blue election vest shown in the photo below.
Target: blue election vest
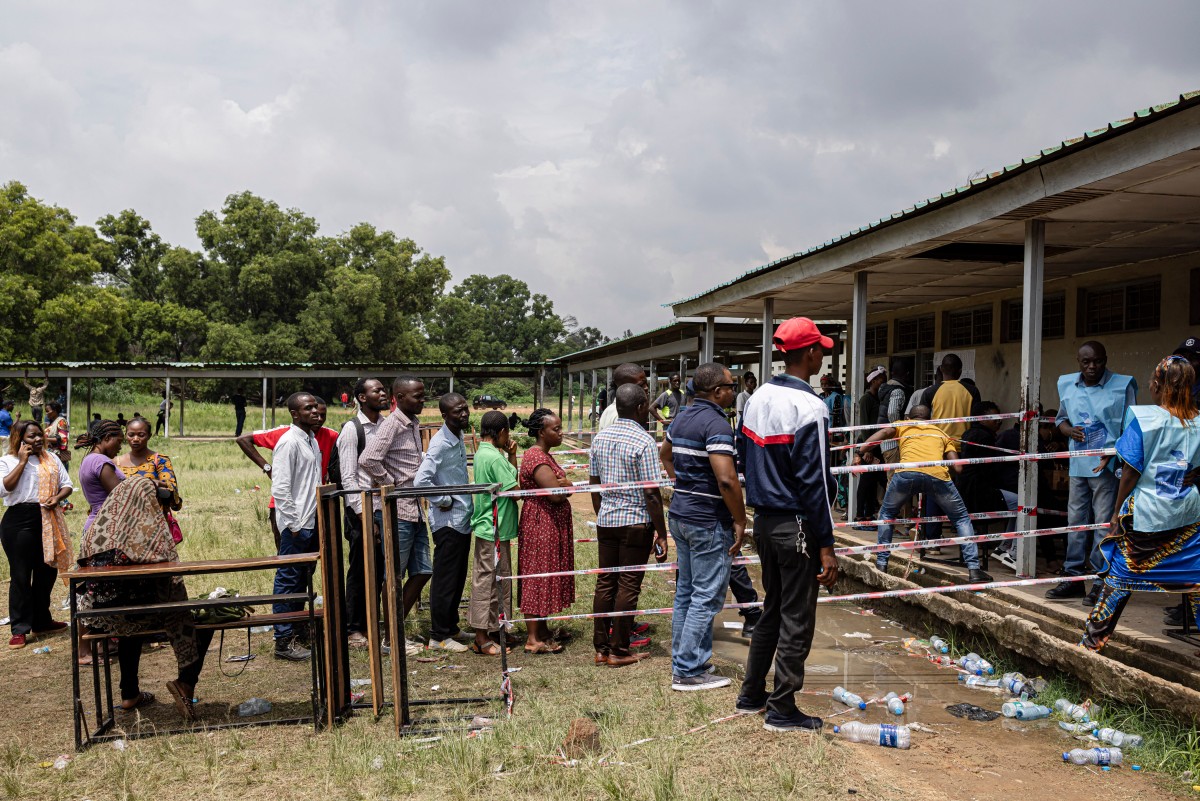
{"x": 1170, "y": 449}
{"x": 1098, "y": 410}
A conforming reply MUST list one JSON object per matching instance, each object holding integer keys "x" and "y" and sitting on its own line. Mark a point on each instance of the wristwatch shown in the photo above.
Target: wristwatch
{"x": 267, "y": 469}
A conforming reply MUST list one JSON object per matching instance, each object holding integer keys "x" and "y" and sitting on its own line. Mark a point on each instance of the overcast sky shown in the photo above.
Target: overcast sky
{"x": 615, "y": 155}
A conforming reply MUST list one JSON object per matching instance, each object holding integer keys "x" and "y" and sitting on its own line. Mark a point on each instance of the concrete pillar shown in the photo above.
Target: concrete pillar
{"x": 608, "y": 393}
{"x": 264, "y": 403}
{"x": 182, "y": 400}
{"x": 595, "y": 404}
{"x": 768, "y": 331}
{"x": 1031, "y": 388}
{"x": 570, "y": 401}
{"x": 167, "y": 418}
{"x": 451, "y": 382}
{"x": 541, "y": 387}
{"x": 561, "y": 382}
{"x": 857, "y": 362}
{"x": 710, "y": 340}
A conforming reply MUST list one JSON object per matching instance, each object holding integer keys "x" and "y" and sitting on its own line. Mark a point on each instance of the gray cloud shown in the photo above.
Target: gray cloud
{"x": 614, "y": 155}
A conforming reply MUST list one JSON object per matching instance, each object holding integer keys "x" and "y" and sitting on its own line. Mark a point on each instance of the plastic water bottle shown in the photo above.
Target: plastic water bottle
{"x": 848, "y": 698}
{"x": 45, "y": 649}
{"x": 1015, "y": 684}
{"x": 976, "y": 664}
{"x": 894, "y": 703}
{"x": 944, "y": 661}
{"x": 1025, "y": 711}
{"x": 1075, "y": 728}
{"x": 888, "y": 735}
{"x": 1093, "y": 756}
{"x": 939, "y": 644}
{"x": 1118, "y": 738}
{"x": 255, "y": 706}
{"x": 1071, "y": 710}
{"x": 979, "y": 682}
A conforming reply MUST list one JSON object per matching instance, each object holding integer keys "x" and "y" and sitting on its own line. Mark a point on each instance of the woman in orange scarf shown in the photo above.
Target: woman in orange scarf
{"x": 33, "y": 532}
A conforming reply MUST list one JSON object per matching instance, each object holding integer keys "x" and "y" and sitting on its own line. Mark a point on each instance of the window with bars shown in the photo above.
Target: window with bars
{"x": 876, "y": 340}
{"x": 1116, "y": 309}
{"x": 1054, "y": 318}
{"x": 967, "y": 327}
{"x": 914, "y": 333}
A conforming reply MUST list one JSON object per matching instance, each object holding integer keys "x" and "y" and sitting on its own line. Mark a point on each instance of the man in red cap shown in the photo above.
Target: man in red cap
{"x": 785, "y": 435}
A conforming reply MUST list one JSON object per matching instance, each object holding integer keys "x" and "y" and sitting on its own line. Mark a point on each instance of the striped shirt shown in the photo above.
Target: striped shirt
{"x": 392, "y": 456}
{"x": 700, "y": 430}
{"x": 620, "y": 453}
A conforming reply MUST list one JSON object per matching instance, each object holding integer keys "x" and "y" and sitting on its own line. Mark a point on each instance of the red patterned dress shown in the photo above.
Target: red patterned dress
{"x": 544, "y": 544}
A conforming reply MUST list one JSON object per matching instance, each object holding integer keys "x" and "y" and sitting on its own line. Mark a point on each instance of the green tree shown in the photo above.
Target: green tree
{"x": 137, "y": 253}
{"x": 85, "y": 323}
{"x": 166, "y": 330}
{"x": 510, "y": 323}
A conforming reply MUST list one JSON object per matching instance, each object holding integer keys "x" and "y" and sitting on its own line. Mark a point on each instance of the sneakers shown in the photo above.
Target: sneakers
{"x": 705, "y": 681}
{"x": 1007, "y": 559}
{"x": 639, "y": 642}
{"x": 1066, "y": 589}
{"x": 449, "y": 644}
{"x": 748, "y": 624}
{"x": 357, "y": 640}
{"x": 412, "y": 647}
{"x": 17, "y": 641}
{"x": 291, "y": 650}
{"x": 747, "y": 704}
{"x": 1090, "y": 599}
{"x": 640, "y": 628}
{"x": 796, "y": 722}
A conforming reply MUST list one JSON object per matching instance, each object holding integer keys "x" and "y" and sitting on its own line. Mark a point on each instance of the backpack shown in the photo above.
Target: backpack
{"x": 885, "y": 394}
{"x": 335, "y": 463}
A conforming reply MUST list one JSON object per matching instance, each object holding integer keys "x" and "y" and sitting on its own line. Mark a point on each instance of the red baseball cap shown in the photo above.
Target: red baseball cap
{"x": 797, "y": 333}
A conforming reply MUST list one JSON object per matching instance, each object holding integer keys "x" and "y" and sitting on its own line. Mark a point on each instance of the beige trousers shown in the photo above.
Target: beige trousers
{"x": 483, "y": 612}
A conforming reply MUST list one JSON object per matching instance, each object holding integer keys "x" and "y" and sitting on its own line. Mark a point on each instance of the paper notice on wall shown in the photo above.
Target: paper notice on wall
{"x": 967, "y": 356}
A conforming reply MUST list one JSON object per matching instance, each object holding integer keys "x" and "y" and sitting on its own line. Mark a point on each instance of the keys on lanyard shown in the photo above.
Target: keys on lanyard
{"x": 801, "y": 543}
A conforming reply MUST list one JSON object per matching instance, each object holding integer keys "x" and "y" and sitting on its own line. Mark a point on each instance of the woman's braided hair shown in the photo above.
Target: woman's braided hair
{"x": 537, "y": 421}
{"x": 1175, "y": 378}
{"x": 98, "y": 433}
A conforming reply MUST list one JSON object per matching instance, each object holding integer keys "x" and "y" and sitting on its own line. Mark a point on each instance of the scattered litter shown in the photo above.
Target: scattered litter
{"x": 119, "y": 745}
{"x": 866, "y": 613}
{"x": 451, "y": 667}
{"x": 240, "y": 657}
{"x": 45, "y": 649}
{"x": 887, "y": 735}
{"x": 499, "y": 768}
{"x": 59, "y": 763}
{"x": 319, "y": 600}
{"x": 360, "y": 682}
{"x": 66, "y": 604}
{"x": 433, "y": 739}
{"x": 921, "y": 727}
{"x": 514, "y": 670}
{"x": 826, "y": 670}
{"x": 252, "y": 707}
{"x": 480, "y": 720}
{"x": 972, "y": 712}
{"x": 377, "y": 763}
{"x": 435, "y": 688}
{"x": 5, "y": 621}
{"x": 857, "y": 635}
{"x": 261, "y": 629}
{"x": 356, "y": 697}
{"x": 429, "y": 659}
{"x": 731, "y": 624}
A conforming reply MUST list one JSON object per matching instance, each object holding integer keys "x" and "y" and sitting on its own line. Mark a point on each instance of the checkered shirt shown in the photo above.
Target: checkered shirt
{"x": 620, "y": 453}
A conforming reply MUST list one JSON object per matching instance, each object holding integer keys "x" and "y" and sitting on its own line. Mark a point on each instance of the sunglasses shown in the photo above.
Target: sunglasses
{"x": 731, "y": 386}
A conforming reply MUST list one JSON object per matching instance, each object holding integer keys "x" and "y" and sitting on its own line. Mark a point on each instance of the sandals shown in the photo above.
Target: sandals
{"x": 143, "y": 699}
{"x": 491, "y": 649}
{"x": 550, "y": 647}
{"x": 561, "y": 635}
{"x": 183, "y": 701}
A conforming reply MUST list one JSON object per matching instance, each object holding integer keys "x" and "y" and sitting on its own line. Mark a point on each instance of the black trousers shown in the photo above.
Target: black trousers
{"x": 31, "y": 578}
{"x": 618, "y": 592}
{"x": 240, "y": 416}
{"x": 784, "y": 634}
{"x": 451, "y": 557}
{"x": 356, "y": 581}
{"x": 129, "y": 657}
{"x": 869, "y": 485}
{"x": 743, "y": 591}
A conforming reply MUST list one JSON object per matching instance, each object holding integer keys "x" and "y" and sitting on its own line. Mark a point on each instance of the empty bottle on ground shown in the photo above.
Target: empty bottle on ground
{"x": 1093, "y": 756}
{"x": 979, "y": 682}
{"x": 848, "y": 698}
{"x": 254, "y": 706}
{"x": 888, "y": 735}
{"x": 976, "y": 664}
{"x": 1071, "y": 710}
{"x": 939, "y": 644}
{"x": 1015, "y": 684}
{"x": 1118, "y": 738}
{"x": 1025, "y": 711}
{"x": 1075, "y": 728}
{"x": 894, "y": 703}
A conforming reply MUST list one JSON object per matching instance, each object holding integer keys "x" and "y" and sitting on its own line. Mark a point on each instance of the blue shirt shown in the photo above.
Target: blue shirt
{"x": 620, "y": 453}
{"x": 699, "y": 431}
{"x": 445, "y": 465}
{"x": 1099, "y": 410}
{"x": 6, "y": 423}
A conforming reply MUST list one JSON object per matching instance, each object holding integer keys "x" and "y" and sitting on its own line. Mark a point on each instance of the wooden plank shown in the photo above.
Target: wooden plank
{"x": 253, "y": 621}
{"x": 196, "y": 603}
{"x": 194, "y": 568}
{"x": 395, "y": 618}
{"x": 326, "y": 568}
{"x": 370, "y": 581}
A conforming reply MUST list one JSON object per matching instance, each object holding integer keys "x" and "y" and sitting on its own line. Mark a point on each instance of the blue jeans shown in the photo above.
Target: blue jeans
{"x": 412, "y": 540}
{"x": 1090, "y": 500}
{"x": 704, "y": 560}
{"x": 293, "y": 578}
{"x": 901, "y": 489}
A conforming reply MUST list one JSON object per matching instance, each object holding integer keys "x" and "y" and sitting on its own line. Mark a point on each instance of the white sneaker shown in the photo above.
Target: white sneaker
{"x": 1005, "y": 558}
{"x": 448, "y": 644}
{"x": 412, "y": 647}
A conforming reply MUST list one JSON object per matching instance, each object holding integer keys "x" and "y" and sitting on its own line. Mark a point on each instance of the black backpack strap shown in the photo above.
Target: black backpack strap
{"x": 362, "y": 434}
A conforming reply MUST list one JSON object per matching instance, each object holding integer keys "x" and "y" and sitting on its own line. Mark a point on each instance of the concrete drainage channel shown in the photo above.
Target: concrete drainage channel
{"x": 1124, "y": 671}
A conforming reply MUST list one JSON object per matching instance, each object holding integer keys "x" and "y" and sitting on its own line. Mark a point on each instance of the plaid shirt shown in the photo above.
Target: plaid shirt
{"x": 620, "y": 453}
{"x": 392, "y": 456}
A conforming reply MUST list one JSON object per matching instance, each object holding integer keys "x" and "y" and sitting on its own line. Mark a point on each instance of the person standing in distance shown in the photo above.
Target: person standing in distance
{"x": 786, "y": 433}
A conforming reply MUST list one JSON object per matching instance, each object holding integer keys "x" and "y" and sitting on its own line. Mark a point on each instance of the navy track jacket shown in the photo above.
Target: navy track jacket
{"x": 784, "y": 441}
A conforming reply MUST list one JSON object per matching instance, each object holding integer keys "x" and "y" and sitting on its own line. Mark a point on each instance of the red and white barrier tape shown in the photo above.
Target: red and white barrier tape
{"x": 542, "y": 492}
{"x": 848, "y": 550}
{"x": 941, "y": 420}
{"x": 829, "y": 599}
{"x": 1021, "y": 457}
{"x": 891, "y": 521}
{"x": 897, "y": 439}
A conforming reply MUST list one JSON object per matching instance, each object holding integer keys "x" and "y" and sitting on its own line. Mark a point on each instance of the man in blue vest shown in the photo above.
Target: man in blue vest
{"x": 1091, "y": 412}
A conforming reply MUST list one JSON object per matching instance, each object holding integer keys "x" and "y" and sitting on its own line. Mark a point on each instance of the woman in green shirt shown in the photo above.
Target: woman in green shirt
{"x": 495, "y": 463}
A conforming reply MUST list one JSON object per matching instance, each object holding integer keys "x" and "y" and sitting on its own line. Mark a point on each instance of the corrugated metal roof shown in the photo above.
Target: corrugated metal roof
{"x": 611, "y": 342}
{"x": 1063, "y": 148}
{"x": 63, "y": 365}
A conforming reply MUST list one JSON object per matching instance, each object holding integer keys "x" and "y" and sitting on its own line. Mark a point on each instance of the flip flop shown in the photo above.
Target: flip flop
{"x": 561, "y": 635}
{"x": 143, "y": 699}
{"x": 183, "y": 702}
{"x": 491, "y": 649}
{"x": 545, "y": 648}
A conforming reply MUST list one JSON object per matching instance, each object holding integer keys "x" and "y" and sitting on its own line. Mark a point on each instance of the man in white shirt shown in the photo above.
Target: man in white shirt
{"x": 295, "y": 476}
{"x": 627, "y": 373}
{"x": 372, "y": 398}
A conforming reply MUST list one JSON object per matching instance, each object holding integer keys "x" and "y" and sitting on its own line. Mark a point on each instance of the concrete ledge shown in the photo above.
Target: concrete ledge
{"x": 1023, "y": 636}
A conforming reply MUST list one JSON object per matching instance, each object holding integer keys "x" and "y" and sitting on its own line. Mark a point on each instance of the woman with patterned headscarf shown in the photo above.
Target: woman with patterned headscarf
{"x": 129, "y": 529}
{"x": 1153, "y": 543}
{"x": 33, "y": 532}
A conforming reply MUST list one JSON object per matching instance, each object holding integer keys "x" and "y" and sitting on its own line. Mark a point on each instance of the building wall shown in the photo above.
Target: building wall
{"x": 998, "y": 365}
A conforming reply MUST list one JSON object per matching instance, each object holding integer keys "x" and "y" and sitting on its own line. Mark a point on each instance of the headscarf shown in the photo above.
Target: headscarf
{"x": 131, "y": 522}
{"x": 56, "y": 542}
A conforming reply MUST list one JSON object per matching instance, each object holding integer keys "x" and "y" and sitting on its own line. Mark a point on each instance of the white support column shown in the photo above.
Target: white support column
{"x": 452, "y": 382}
{"x": 182, "y": 401}
{"x": 857, "y": 361}
{"x": 264, "y": 405}
{"x": 710, "y": 340}
{"x": 167, "y": 410}
{"x": 768, "y": 331}
{"x": 67, "y": 411}
{"x": 1031, "y": 388}
{"x": 608, "y": 390}
{"x": 570, "y": 400}
{"x": 595, "y": 404}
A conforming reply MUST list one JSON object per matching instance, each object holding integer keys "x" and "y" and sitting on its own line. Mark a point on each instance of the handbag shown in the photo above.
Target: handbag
{"x": 173, "y": 527}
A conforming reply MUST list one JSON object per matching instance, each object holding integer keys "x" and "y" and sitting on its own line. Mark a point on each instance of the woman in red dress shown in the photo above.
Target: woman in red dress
{"x": 544, "y": 535}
